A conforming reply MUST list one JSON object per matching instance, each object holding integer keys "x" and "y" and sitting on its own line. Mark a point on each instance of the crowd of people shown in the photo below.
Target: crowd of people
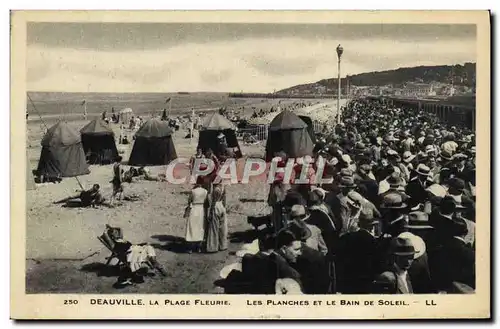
{"x": 398, "y": 218}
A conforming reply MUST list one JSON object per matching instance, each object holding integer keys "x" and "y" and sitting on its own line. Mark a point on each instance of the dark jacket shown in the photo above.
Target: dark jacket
{"x": 322, "y": 218}
{"x": 420, "y": 276}
{"x": 355, "y": 262}
{"x": 450, "y": 261}
{"x": 417, "y": 191}
{"x": 312, "y": 267}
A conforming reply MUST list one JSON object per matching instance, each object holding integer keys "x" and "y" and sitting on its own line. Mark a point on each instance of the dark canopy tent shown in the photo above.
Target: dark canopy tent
{"x": 289, "y": 134}
{"x": 62, "y": 153}
{"x": 99, "y": 142}
{"x": 153, "y": 145}
{"x": 310, "y": 127}
{"x": 212, "y": 126}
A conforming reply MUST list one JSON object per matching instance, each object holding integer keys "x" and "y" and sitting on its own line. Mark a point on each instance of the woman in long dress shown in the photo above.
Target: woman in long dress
{"x": 196, "y": 218}
{"x": 217, "y": 222}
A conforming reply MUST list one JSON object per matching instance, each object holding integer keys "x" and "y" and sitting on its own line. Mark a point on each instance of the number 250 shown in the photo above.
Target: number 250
{"x": 70, "y": 302}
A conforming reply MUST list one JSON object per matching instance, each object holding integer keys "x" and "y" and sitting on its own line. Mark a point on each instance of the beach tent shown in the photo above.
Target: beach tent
{"x": 98, "y": 141}
{"x": 153, "y": 144}
{"x": 62, "y": 153}
{"x": 125, "y": 115}
{"x": 288, "y": 133}
{"x": 310, "y": 126}
{"x": 213, "y": 125}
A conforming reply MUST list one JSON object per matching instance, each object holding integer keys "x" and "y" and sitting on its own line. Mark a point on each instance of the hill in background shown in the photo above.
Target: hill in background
{"x": 460, "y": 75}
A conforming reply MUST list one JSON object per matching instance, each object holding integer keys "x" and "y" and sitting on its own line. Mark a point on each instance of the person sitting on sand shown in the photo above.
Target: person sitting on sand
{"x": 88, "y": 198}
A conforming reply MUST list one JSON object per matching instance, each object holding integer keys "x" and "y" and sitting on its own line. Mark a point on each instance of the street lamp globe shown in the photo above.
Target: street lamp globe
{"x": 340, "y": 51}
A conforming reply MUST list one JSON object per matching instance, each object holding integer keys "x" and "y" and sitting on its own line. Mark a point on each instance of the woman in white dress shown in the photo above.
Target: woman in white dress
{"x": 196, "y": 213}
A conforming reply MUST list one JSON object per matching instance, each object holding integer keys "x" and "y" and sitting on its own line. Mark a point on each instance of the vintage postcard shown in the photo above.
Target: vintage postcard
{"x": 250, "y": 165}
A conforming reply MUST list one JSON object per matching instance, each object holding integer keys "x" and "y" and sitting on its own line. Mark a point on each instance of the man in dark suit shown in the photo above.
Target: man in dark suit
{"x": 288, "y": 248}
{"x": 355, "y": 259}
{"x": 367, "y": 186}
{"x": 311, "y": 264}
{"x": 459, "y": 168}
{"x": 396, "y": 280}
{"x": 320, "y": 215}
{"x": 394, "y": 222}
{"x": 417, "y": 186}
{"x": 338, "y": 203}
{"x": 451, "y": 259}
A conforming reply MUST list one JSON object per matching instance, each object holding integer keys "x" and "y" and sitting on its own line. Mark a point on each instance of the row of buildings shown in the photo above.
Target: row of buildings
{"x": 415, "y": 90}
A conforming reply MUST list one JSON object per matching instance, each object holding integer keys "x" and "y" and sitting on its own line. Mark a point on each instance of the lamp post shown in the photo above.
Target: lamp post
{"x": 340, "y": 51}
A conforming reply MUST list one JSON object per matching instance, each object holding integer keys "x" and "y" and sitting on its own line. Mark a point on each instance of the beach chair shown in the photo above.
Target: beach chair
{"x": 106, "y": 240}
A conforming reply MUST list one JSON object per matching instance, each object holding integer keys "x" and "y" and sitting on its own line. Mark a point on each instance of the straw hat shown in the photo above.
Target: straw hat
{"x": 437, "y": 190}
{"x": 423, "y": 170}
{"x": 416, "y": 241}
{"x": 418, "y": 220}
{"x": 354, "y": 199}
{"x": 408, "y": 156}
{"x": 402, "y": 247}
{"x": 393, "y": 201}
{"x": 298, "y": 211}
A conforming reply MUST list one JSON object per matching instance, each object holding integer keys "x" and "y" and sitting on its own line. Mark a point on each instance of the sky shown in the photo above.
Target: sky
{"x": 212, "y": 57}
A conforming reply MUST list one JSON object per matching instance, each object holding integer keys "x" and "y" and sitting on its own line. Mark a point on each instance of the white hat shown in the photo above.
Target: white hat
{"x": 437, "y": 190}
{"x": 320, "y": 190}
{"x": 287, "y": 286}
{"x": 346, "y": 158}
{"x": 249, "y": 248}
{"x": 229, "y": 268}
{"x": 417, "y": 243}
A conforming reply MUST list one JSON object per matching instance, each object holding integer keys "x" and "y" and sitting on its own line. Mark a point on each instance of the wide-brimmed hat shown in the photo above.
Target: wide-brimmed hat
{"x": 360, "y": 147}
{"x": 418, "y": 220}
{"x": 393, "y": 201}
{"x": 354, "y": 199}
{"x": 408, "y": 156}
{"x": 346, "y": 158}
{"x": 298, "y": 211}
{"x": 319, "y": 191}
{"x": 346, "y": 172}
{"x": 402, "y": 247}
{"x": 300, "y": 230}
{"x": 347, "y": 181}
{"x": 395, "y": 180}
{"x": 423, "y": 170}
{"x": 416, "y": 241}
{"x": 446, "y": 155}
{"x": 429, "y": 149}
{"x": 437, "y": 190}
{"x": 422, "y": 156}
{"x": 459, "y": 156}
{"x": 457, "y": 183}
